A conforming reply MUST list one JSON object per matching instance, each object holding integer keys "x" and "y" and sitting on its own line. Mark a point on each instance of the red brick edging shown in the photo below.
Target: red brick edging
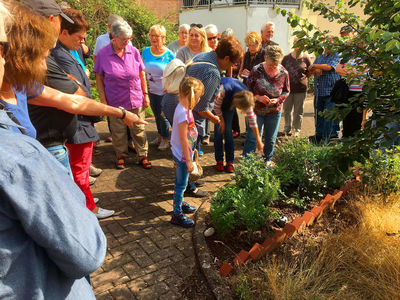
{"x": 290, "y": 230}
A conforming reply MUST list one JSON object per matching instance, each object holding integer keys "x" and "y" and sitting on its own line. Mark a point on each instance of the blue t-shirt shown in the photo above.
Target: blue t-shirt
{"x": 20, "y": 111}
{"x": 154, "y": 68}
{"x": 231, "y": 87}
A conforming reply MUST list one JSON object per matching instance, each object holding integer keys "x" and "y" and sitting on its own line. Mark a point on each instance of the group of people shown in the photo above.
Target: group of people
{"x": 48, "y": 213}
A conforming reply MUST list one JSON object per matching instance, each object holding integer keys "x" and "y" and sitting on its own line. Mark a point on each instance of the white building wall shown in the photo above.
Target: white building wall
{"x": 241, "y": 19}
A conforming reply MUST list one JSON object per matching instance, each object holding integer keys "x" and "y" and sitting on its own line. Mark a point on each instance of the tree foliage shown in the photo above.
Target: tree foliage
{"x": 377, "y": 45}
{"x": 138, "y": 16}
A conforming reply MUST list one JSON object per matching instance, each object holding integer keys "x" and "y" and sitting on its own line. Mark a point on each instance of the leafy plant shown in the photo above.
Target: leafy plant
{"x": 245, "y": 204}
{"x": 381, "y": 173}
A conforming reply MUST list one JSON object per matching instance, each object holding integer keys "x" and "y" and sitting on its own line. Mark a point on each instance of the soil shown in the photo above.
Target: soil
{"x": 226, "y": 248}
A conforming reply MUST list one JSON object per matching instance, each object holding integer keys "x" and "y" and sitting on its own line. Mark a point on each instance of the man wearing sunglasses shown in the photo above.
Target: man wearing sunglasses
{"x": 212, "y": 36}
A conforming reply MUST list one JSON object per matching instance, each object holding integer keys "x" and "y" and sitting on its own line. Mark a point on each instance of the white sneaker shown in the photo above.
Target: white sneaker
{"x": 164, "y": 145}
{"x": 96, "y": 200}
{"x": 104, "y": 213}
{"x": 156, "y": 141}
{"x": 296, "y": 134}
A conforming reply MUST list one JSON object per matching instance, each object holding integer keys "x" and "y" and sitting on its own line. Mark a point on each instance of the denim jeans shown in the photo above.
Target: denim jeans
{"x": 60, "y": 152}
{"x": 325, "y": 128}
{"x": 161, "y": 122}
{"x": 218, "y": 138}
{"x": 181, "y": 181}
{"x": 270, "y": 122}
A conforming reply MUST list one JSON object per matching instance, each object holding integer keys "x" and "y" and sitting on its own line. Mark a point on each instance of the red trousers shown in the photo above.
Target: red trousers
{"x": 80, "y": 159}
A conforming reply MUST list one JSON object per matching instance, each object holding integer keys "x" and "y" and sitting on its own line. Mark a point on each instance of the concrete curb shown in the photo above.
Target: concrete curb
{"x": 218, "y": 285}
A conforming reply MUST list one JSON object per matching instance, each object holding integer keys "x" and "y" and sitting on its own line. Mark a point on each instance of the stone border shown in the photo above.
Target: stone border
{"x": 218, "y": 285}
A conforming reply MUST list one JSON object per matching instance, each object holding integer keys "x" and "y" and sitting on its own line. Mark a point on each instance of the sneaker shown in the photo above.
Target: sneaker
{"x": 296, "y": 134}
{"x": 164, "y": 145}
{"x": 196, "y": 193}
{"x": 131, "y": 148}
{"x": 220, "y": 166}
{"x": 235, "y": 134}
{"x": 156, "y": 141}
{"x": 92, "y": 180}
{"x": 104, "y": 213}
{"x": 188, "y": 209}
{"x": 201, "y": 153}
{"x": 182, "y": 220}
{"x": 94, "y": 172}
{"x": 229, "y": 168}
{"x": 96, "y": 200}
{"x": 270, "y": 164}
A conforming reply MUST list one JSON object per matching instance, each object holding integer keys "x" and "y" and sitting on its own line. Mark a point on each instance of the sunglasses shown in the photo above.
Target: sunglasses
{"x": 196, "y": 25}
{"x": 5, "y": 46}
{"x": 212, "y": 38}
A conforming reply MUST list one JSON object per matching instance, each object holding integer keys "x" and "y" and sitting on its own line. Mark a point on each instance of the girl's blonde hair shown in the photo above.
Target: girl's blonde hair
{"x": 243, "y": 100}
{"x": 191, "y": 88}
{"x": 204, "y": 44}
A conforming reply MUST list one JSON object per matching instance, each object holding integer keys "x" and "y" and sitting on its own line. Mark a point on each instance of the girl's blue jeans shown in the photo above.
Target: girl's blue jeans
{"x": 219, "y": 136}
{"x": 161, "y": 122}
{"x": 181, "y": 181}
{"x": 270, "y": 122}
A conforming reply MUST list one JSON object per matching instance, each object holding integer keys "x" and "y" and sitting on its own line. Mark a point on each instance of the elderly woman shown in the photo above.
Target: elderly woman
{"x": 269, "y": 82}
{"x": 156, "y": 58}
{"x": 196, "y": 44}
{"x": 253, "y": 56}
{"x": 183, "y": 35}
{"x": 297, "y": 64}
{"x": 121, "y": 82}
{"x": 212, "y": 36}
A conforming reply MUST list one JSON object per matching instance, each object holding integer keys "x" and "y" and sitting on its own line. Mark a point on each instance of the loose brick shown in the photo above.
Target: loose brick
{"x": 336, "y": 196}
{"x": 279, "y": 237}
{"x": 290, "y": 230}
{"x": 308, "y": 218}
{"x": 268, "y": 244}
{"x": 256, "y": 251}
{"x": 317, "y": 212}
{"x": 299, "y": 224}
{"x": 226, "y": 269}
{"x": 241, "y": 258}
{"x": 328, "y": 199}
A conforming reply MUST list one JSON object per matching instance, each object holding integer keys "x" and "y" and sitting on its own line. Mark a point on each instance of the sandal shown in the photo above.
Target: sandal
{"x": 121, "y": 163}
{"x": 145, "y": 163}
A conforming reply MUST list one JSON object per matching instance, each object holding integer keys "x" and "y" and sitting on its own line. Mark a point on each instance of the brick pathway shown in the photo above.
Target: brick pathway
{"x": 147, "y": 257}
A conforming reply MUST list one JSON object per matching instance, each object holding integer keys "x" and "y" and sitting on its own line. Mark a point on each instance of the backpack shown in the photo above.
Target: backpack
{"x": 340, "y": 92}
{"x": 175, "y": 71}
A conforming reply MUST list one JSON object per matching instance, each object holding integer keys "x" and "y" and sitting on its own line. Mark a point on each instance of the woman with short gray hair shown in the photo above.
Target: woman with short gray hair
{"x": 212, "y": 36}
{"x": 121, "y": 82}
{"x": 269, "y": 82}
{"x": 183, "y": 35}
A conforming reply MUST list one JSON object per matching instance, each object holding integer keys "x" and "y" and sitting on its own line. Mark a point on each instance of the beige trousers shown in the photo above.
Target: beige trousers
{"x": 120, "y": 139}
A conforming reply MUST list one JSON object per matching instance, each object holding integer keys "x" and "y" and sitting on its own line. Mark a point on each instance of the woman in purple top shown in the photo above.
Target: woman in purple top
{"x": 269, "y": 82}
{"x": 121, "y": 82}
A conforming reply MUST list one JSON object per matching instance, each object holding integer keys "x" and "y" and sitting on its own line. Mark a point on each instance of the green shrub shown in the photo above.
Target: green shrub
{"x": 381, "y": 173}
{"x": 245, "y": 204}
{"x": 304, "y": 170}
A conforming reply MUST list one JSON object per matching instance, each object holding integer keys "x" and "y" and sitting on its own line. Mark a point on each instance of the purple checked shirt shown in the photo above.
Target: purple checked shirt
{"x": 121, "y": 79}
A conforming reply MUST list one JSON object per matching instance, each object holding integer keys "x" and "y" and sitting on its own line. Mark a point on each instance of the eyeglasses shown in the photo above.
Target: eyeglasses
{"x": 196, "y": 25}
{"x": 4, "y": 46}
{"x": 125, "y": 41}
{"x": 212, "y": 38}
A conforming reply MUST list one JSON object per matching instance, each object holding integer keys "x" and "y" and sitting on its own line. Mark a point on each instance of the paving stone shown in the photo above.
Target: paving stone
{"x": 117, "y": 262}
{"x": 104, "y": 296}
{"x": 122, "y": 292}
{"x": 115, "y": 275}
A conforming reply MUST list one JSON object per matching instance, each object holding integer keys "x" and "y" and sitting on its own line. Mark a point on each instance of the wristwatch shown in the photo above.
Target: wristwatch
{"x": 123, "y": 112}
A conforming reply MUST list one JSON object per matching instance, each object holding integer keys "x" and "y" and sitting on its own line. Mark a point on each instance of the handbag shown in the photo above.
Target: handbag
{"x": 198, "y": 170}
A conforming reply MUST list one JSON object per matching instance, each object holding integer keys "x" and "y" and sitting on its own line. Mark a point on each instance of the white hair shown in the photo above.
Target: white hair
{"x": 228, "y": 32}
{"x": 114, "y": 18}
{"x": 211, "y": 29}
{"x": 186, "y": 26}
{"x": 121, "y": 29}
{"x": 267, "y": 24}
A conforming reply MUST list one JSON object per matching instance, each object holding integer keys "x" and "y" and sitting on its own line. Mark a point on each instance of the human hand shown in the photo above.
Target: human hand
{"x": 190, "y": 166}
{"x": 318, "y": 72}
{"x": 215, "y": 119}
{"x": 146, "y": 101}
{"x": 245, "y": 72}
{"x": 260, "y": 148}
{"x": 263, "y": 99}
{"x": 131, "y": 118}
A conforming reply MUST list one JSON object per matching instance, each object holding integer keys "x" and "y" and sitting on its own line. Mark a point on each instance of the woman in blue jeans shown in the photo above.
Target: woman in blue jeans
{"x": 269, "y": 82}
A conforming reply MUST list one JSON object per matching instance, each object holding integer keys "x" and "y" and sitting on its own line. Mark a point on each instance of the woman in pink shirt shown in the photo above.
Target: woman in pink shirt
{"x": 121, "y": 82}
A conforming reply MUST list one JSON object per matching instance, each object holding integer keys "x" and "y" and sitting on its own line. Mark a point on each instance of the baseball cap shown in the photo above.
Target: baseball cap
{"x": 47, "y": 8}
{"x": 346, "y": 28}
